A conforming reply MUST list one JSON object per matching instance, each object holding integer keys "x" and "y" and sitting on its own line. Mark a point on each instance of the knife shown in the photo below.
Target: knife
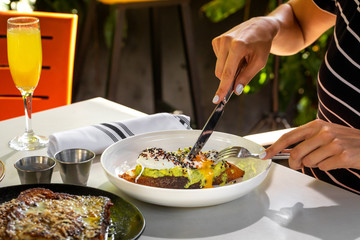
{"x": 209, "y": 127}
{"x": 213, "y": 119}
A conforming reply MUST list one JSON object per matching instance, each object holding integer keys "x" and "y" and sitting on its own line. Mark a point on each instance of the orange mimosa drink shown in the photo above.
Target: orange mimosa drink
{"x": 25, "y": 59}
{"x": 25, "y": 56}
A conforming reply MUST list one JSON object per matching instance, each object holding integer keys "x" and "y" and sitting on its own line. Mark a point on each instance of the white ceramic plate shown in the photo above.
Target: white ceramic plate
{"x": 122, "y": 155}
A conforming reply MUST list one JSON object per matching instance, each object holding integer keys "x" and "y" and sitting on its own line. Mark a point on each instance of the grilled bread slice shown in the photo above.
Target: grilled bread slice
{"x": 39, "y": 213}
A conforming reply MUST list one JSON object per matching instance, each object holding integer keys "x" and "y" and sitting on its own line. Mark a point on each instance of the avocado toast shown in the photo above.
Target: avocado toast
{"x": 158, "y": 168}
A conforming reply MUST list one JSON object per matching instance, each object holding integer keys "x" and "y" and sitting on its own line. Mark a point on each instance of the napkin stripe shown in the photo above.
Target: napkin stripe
{"x": 115, "y": 129}
{"x": 183, "y": 120}
{"x": 109, "y": 134}
{"x": 126, "y": 129}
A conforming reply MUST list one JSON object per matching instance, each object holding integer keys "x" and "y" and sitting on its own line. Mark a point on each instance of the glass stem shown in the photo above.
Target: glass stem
{"x": 27, "y": 98}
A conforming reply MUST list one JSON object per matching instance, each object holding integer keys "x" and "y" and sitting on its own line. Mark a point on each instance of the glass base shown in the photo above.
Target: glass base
{"x": 28, "y": 142}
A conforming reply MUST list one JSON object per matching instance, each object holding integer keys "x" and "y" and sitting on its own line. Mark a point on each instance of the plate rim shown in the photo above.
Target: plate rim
{"x": 2, "y": 172}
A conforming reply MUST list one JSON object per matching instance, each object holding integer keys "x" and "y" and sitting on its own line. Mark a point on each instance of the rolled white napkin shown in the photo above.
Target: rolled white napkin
{"x": 98, "y": 137}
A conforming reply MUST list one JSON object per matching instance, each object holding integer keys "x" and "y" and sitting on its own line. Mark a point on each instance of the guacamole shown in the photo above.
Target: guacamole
{"x": 193, "y": 175}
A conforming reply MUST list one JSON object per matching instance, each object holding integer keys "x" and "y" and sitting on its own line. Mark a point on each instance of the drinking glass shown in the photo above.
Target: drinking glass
{"x": 25, "y": 61}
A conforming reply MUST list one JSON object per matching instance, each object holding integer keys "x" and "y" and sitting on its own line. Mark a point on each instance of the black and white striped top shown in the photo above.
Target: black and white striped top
{"x": 339, "y": 82}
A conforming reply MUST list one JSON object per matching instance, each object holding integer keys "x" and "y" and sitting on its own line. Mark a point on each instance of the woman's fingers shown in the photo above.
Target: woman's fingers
{"x": 313, "y": 149}
{"x": 286, "y": 140}
{"x": 324, "y": 145}
{"x": 221, "y": 50}
{"x": 227, "y": 69}
{"x": 249, "y": 42}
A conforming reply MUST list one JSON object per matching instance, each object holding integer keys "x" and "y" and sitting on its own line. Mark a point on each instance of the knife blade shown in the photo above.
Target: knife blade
{"x": 210, "y": 125}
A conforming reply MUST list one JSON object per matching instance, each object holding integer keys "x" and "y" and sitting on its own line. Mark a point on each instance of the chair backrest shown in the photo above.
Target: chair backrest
{"x": 58, "y": 34}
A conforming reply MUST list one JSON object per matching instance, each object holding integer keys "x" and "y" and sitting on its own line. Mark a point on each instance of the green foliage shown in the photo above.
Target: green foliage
{"x": 217, "y": 10}
{"x": 297, "y": 80}
{"x": 109, "y": 27}
{"x": 262, "y": 78}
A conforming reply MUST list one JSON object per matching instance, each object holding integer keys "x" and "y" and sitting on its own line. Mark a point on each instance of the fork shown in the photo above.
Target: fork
{"x": 242, "y": 152}
{"x": 238, "y": 152}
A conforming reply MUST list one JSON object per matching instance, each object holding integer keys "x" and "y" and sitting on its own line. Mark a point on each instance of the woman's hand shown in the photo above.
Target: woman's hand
{"x": 250, "y": 42}
{"x": 324, "y": 145}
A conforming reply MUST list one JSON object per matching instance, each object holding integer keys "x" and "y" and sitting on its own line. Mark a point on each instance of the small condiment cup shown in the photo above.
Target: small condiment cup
{"x": 35, "y": 169}
{"x": 75, "y": 165}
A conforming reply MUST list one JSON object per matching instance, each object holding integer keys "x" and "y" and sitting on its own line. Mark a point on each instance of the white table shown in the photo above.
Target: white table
{"x": 287, "y": 205}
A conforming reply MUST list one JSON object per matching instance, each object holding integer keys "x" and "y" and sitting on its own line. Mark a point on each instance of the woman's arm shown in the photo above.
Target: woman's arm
{"x": 299, "y": 26}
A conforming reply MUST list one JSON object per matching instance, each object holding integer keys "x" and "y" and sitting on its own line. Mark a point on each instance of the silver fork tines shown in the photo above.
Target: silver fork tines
{"x": 238, "y": 152}
{"x": 241, "y": 152}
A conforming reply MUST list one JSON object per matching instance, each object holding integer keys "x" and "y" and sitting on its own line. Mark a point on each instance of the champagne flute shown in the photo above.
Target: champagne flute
{"x": 25, "y": 61}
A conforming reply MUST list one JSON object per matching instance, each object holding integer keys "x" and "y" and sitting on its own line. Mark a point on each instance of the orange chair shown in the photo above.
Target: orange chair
{"x": 58, "y": 34}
